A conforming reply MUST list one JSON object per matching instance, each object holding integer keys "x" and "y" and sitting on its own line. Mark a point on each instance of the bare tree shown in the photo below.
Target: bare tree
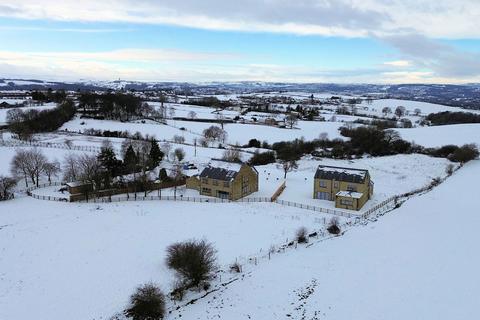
{"x": 70, "y": 168}
{"x": 51, "y": 169}
{"x": 28, "y": 163}
{"x": 417, "y": 111}
{"x": 178, "y": 139}
{"x": 19, "y": 166}
{"x": 89, "y": 169}
{"x": 291, "y": 120}
{"x": 166, "y": 147}
{"x": 36, "y": 162}
{"x": 288, "y": 165}
{"x": 142, "y": 149}
{"x": 400, "y": 111}
{"x": 215, "y": 133}
{"x": 386, "y": 111}
{"x": 177, "y": 176}
{"x": 221, "y": 118}
{"x": 323, "y": 136}
{"x": 232, "y": 155}
{"x": 192, "y": 114}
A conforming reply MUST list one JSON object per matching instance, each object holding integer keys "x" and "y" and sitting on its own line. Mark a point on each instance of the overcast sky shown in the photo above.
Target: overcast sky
{"x": 374, "y": 41}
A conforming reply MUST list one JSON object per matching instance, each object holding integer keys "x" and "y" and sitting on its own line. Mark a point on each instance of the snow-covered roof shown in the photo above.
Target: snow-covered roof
{"x": 350, "y": 194}
{"x": 341, "y": 174}
{"x": 221, "y": 170}
{"x": 227, "y": 165}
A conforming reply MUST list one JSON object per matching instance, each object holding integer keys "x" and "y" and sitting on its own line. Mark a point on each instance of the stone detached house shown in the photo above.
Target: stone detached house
{"x": 225, "y": 180}
{"x": 349, "y": 188}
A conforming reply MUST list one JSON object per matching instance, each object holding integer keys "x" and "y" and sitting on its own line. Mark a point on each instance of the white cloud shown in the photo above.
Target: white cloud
{"x": 441, "y": 59}
{"x": 435, "y": 18}
{"x": 398, "y": 63}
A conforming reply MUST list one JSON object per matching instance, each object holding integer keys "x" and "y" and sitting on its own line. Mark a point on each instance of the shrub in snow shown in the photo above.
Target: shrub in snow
{"x": 147, "y": 303}
{"x": 301, "y": 235}
{"x": 449, "y": 169}
{"x": 236, "y": 267}
{"x": 259, "y": 159}
{"x": 465, "y": 153}
{"x": 6, "y": 187}
{"x": 178, "y": 291}
{"x": 194, "y": 261}
{"x": 334, "y": 227}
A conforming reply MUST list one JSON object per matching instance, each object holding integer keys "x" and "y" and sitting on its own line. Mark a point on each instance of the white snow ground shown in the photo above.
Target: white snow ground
{"x": 417, "y": 262}
{"x": 437, "y": 136}
{"x": 82, "y": 261}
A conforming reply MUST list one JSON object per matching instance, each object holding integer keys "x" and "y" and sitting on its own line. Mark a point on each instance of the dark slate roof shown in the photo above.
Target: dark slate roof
{"x": 218, "y": 173}
{"x": 341, "y": 174}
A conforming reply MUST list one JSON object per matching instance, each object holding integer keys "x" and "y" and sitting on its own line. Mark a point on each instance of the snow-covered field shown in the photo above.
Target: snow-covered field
{"x": 392, "y": 175}
{"x": 200, "y": 112}
{"x": 242, "y": 133}
{"x": 417, "y": 262}
{"x": 410, "y": 106}
{"x": 437, "y": 136}
{"x": 237, "y": 133}
{"x": 82, "y": 261}
{"x": 68, "y": 261}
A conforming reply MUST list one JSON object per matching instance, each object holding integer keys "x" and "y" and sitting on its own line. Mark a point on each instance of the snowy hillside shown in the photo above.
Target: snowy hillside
{"x": 417, "y": 262}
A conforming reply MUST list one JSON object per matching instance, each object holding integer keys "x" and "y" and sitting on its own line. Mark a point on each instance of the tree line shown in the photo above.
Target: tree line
{"x": 26, "y": 123}
{"x": 447, "y": 117}
{"x": 116, "y": 106}
{"x": 363, "y": 140}
{"x": 49, "y": 96}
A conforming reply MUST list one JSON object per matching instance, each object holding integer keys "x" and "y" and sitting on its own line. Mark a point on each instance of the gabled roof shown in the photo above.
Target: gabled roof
{"x": 341, "y": 174}
{"x": 218, "y": 173}
{"x": 222, "y": 170}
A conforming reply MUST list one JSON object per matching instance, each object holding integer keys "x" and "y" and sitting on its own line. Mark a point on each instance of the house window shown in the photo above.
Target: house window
{"x": 323, "y": 195}
{"x": 215, "y": 182}
{"x": 346, "y": 202}
{"x": 205, "y": 180}
{"x": 245, "y": 187}
{"x": 206, "y": 190}
{"x": 226, "y": 184}
{"x": 322, "y": 184}
{"x": 335, "y": 184}
{"x": 352, "y": 188}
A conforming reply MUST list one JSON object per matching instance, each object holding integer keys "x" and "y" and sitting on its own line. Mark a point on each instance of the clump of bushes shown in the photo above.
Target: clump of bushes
{"x": 263, "y": 158}
{"x": 236, "y": 267}
{"x": 147, "y": 303}
{"x": 301, "y": 235}
{"x": 26, "y": 123}
{"x": 447, "y": 117}
{"x": 195, "y": 262}
{"x": 449, "y": 169}
{"x": 334, "y": 226}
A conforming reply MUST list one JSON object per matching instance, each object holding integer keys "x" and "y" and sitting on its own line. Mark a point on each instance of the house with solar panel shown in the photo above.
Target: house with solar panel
{"x": 349, "y": 188}
{"x": 225, "y": 180}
